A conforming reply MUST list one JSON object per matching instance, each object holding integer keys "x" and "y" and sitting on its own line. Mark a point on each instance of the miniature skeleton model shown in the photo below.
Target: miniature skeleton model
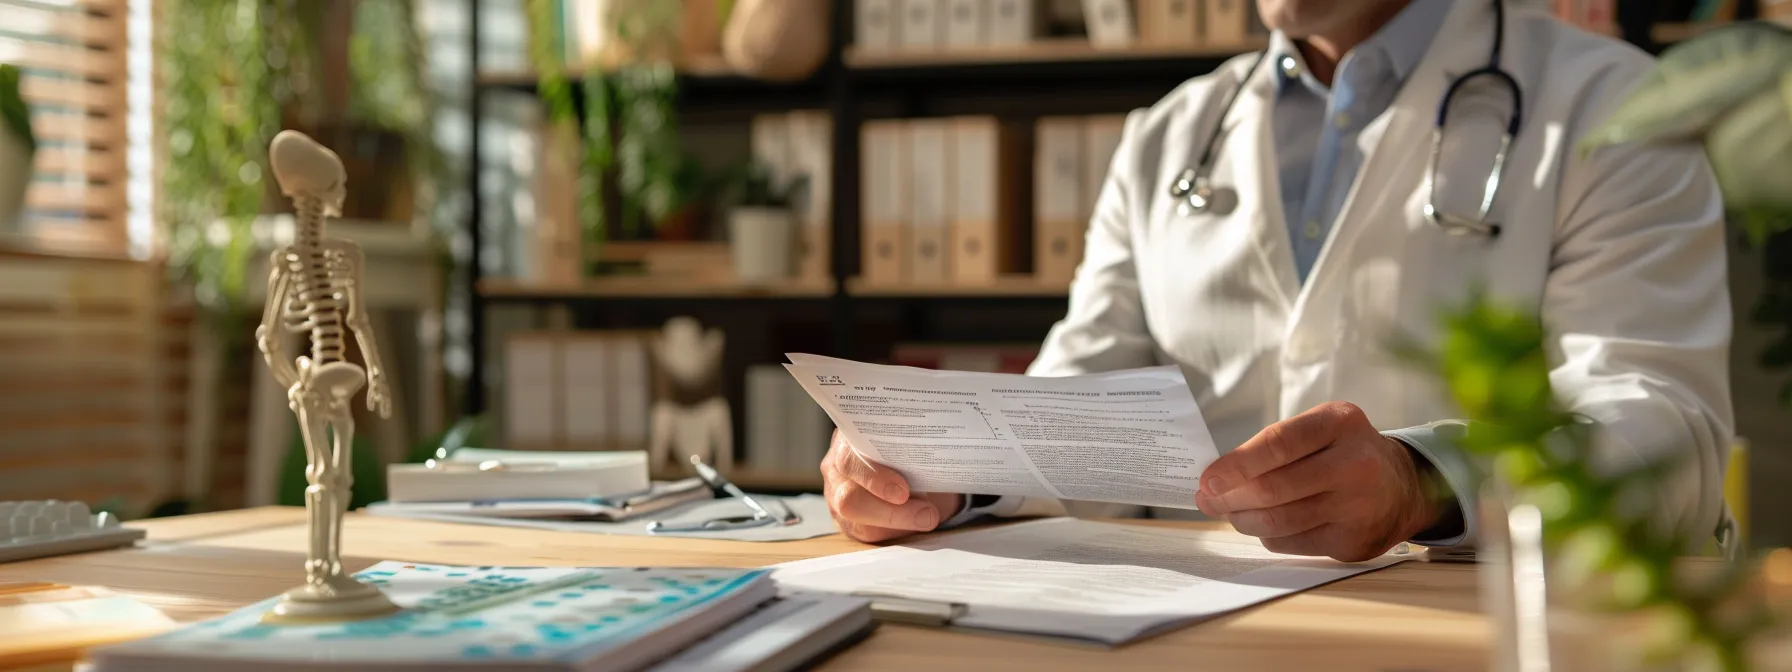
{"x": 314, "y": 288}
{"x": 690, "y": 417}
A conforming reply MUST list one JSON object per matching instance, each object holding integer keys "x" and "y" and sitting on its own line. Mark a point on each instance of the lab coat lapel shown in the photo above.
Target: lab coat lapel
{"x": 1250, "y": 143}
{"x": 1394, "y": 168}
{"x": 1354, "y": 280}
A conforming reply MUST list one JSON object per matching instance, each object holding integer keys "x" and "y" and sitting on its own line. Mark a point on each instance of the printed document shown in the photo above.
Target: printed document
{"x": 1130, "y": 437}
{"x": 1062, "y": 577}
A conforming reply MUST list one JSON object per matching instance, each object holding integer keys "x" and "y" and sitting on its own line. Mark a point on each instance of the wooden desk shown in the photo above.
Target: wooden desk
{"x": 1413, "y": 616}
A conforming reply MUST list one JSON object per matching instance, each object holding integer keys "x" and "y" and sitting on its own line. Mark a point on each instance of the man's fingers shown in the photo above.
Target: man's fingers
{"x": 1334, "y": 540}
{"x": 880, "y": 480}
{"x": 1319, "y": 472}
{"x": 854, "y": 503}
{"x": 1286, "y": 520}
{"x": 1279, "y": 444}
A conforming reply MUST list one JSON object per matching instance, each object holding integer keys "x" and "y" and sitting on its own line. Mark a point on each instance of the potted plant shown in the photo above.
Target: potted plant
{"x": 18, "y": 147}
{"x": 762, "y": 225}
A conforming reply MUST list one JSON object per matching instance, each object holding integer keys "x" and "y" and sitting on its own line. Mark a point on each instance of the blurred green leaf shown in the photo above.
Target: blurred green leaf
{"x": 1696, "y": 82}
{"x": 1750, "y": 148}
{"x": 14, "y": 113}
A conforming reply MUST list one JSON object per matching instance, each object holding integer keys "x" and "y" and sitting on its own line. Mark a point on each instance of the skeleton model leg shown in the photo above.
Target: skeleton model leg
{"x": 310, "y": 292}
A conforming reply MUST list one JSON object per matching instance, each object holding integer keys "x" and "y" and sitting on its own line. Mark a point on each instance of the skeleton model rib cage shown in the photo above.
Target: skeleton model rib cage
{"x": 314, "y": 288}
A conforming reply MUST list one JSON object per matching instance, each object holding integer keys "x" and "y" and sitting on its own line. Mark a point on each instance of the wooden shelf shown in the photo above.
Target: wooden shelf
{"x": 709, "y": 66}
{"x": 1043, "y": 51}
{"x": 1011, "y": 285}
{"x": 651, "y": 287}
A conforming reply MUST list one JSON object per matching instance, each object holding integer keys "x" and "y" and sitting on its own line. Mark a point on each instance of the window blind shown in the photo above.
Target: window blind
{"x": 74, "y": 60}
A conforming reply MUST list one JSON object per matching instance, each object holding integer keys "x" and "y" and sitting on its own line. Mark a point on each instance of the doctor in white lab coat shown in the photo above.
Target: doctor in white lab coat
{"x": 1279, "y": 309}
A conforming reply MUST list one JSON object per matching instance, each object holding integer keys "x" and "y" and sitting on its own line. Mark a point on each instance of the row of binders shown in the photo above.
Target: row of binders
{"x": 577, "y": 390}
{"x": 933, "y": 25}
{"x": 944, "y": 200}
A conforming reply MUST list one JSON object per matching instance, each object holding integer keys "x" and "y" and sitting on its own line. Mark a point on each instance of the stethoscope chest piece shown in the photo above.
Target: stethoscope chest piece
{"x": 1195, "y": 195}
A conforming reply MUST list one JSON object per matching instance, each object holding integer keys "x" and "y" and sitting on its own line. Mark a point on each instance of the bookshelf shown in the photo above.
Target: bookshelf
{"x": 650, "y": 287}
{"x": 1056, "y": 51}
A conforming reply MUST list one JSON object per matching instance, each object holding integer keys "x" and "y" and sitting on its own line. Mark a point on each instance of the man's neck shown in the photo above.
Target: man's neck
{"x": 1323, "y": 51}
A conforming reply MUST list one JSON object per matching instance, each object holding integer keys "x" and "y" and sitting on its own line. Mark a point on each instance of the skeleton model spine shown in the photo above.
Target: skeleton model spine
{"x": 314, "y": 288}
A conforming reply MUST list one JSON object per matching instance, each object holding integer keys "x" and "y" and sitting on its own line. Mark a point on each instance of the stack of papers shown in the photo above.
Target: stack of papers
{"x": 1130, "y": 437}
{"x": 1102, "y": 583}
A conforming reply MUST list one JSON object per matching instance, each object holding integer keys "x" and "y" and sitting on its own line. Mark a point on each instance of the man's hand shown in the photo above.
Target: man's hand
{"x": 1324, "y": 482}
{"x": 872, "y": 503}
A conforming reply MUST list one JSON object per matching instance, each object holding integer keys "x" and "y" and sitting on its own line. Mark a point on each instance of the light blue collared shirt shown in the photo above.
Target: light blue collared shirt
{"x": 1317, "y": 128}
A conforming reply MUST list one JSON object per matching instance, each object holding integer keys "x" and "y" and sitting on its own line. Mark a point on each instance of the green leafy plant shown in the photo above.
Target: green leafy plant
{"x": 627, "y": 114}
{"x": 1730, "y": 90}
{"x": 754, "y": 186}
{"x": 388, "y": 66}
{"x": 1607, "y": 552}
{"x": 13, "y": 112}
{"x": 222, "y": 101}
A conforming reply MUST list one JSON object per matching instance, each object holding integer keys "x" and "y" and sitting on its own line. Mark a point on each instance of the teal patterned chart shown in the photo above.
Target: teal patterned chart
{"x": 467, "y": 614}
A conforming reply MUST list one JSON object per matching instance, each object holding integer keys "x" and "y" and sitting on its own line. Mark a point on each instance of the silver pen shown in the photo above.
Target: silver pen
{"x": 716, "y": 480}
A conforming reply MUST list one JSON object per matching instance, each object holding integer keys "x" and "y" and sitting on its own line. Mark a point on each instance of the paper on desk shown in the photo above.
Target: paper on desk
{"x": 1131, "y": 437}
{"x": 1078, "y": 579}
{"x": 812, "y": 508}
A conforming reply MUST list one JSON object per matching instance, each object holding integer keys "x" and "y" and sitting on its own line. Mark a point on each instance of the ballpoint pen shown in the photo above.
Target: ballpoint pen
{"x": 761, "y": 516}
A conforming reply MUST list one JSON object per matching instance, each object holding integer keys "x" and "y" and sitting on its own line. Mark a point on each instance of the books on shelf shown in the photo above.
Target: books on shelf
{"x": 577, "y": 390}
{"x": 537, "y": 618}
{"x": 787, "y": 432}
{"x": 800, "y": 144}
{"x": 942, "y": 197}
{"x": 884, "y": 27}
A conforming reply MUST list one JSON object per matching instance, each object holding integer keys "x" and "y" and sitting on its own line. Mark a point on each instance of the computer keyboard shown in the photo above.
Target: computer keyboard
{"x": 36, "y": 529}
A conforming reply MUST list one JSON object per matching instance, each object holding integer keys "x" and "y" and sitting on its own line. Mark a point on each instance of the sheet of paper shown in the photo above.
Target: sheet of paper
{"x": 1131, "y": 437}
{"x": 1079, "y": 579}
{"x": 812, "y": 508}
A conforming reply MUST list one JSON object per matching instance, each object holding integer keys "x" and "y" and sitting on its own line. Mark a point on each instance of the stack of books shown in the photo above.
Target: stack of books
{"x": 519, "y": 618}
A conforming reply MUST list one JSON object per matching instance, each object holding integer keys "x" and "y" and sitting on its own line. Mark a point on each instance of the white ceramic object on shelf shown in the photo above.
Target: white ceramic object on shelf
{"x": 690, "y": 415}
{"x": 15, "y": 175}
{"x": 763, "y": 244}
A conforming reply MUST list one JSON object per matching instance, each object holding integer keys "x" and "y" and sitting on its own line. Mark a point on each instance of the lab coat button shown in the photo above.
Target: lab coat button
{"x": 1311, "y": 230}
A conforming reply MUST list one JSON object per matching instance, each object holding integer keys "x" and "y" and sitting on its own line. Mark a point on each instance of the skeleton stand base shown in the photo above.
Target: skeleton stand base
{"x": 322, "y": 604}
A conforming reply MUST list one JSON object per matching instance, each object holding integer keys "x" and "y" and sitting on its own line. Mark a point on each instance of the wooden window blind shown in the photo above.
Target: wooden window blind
{"x": 73, "y": 55}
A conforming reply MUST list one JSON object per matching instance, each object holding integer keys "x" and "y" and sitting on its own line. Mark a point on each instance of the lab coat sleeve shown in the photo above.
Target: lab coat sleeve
{"x": 1104, "y": 329}
{"x": 1637, "y": 307}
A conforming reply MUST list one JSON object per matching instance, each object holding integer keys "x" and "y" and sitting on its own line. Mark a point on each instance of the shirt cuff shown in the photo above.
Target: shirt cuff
{"x": 1438, "y": 444}
{"x": 978, "y": 506}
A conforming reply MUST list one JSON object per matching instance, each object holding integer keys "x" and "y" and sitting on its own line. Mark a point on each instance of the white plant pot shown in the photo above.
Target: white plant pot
{"x": 763, "y": 243}
{"x": 15, "y": 175}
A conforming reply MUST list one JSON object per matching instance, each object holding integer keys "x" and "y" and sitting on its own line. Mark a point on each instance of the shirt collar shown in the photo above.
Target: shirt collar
{"x": 1403, "y": 41}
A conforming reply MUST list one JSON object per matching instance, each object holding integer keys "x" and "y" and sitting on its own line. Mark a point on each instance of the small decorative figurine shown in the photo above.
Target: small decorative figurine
{"x": 314, "y": 287}
{"x": 690, "y": 415}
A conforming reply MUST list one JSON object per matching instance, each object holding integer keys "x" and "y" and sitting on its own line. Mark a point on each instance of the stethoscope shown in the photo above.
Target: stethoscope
{"x": 1199, "y": 195}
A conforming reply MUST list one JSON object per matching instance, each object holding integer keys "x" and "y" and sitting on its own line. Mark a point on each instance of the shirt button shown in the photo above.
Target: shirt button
{"x": 1290, "y": 67}
{"x": 1343, "y": 120}
{"x": 1311, "y": 230}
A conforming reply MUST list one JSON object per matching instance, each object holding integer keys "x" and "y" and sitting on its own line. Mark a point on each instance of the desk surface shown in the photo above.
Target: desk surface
{"x": 1413, "y": 616}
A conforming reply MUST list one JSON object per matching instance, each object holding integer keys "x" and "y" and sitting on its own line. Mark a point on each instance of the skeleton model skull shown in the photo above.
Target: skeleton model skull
{"x": 314, "y": 288}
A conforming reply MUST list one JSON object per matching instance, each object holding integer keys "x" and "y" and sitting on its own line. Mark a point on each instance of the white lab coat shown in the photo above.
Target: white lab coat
{"x": 1621, "y": 250}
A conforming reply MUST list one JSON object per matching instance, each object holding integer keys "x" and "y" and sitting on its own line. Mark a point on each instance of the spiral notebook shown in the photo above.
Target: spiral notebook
{"x": 492, "y": 618}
